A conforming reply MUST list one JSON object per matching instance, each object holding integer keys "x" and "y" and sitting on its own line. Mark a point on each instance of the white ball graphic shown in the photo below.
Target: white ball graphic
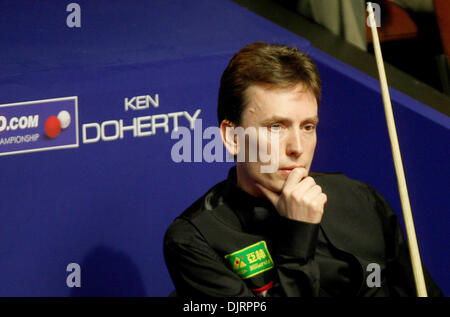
{"x": 64, "y": 118}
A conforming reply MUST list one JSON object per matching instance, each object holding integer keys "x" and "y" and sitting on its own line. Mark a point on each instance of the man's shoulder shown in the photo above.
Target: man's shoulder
{"x": 340, "y": 187}
{"x": 184, "y": 227}
{"x": 338, "y": 180}
{"x": 351, "y": 192}
{"x": 207, "y": 202}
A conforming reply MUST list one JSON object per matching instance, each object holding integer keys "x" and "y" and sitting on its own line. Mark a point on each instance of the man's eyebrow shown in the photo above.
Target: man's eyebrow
{"x": 314, "y": 119}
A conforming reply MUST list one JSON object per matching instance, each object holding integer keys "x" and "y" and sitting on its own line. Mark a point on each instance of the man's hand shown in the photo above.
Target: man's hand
{"x": 300, "y": 198}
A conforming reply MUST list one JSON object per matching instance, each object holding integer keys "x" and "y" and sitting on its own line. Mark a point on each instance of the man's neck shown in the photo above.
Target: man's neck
{"x": 245, "y": 183}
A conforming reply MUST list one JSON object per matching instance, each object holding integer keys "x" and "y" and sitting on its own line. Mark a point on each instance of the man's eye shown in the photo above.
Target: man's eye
{"x": 310, "y": 127}
{"x": 276, "y": 127}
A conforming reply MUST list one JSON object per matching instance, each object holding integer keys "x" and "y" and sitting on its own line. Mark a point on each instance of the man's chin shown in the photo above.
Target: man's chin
{"x": 275, "y": 185}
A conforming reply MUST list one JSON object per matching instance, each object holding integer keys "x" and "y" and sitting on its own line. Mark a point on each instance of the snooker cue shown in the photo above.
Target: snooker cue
{"x": 403, "y": 191}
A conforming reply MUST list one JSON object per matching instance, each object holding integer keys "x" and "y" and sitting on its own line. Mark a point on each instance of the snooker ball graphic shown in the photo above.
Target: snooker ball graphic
{"x": 52, "y": 127}
{"x": 64, "y": 119}
{"x": 54, "y": 124}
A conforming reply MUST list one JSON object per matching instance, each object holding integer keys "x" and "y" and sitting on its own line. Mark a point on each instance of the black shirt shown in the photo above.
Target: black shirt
{"x": 230, "y": 243}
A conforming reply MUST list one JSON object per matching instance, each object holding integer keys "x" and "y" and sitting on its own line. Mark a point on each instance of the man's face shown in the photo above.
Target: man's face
{"x": 291, "y": 115}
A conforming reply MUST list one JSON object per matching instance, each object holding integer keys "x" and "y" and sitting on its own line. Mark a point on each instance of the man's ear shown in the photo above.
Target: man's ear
{"x": 229, "y": 138}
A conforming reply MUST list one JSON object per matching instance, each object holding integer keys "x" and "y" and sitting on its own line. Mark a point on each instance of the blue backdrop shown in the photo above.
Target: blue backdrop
{"x": 106, "y": 204}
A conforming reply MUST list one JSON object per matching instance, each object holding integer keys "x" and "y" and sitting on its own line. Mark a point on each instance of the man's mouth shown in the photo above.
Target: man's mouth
{"x": 288, "y": 170}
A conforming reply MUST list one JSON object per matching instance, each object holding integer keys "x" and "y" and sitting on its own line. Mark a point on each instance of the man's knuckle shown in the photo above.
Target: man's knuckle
{"x": 311, "y": 181}
{"x": 297, "y": 198}
{"x": 315, "y": 204}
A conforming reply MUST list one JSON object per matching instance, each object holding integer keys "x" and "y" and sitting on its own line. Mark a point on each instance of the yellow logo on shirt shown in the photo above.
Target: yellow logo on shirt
{"x": 251, "y": 260}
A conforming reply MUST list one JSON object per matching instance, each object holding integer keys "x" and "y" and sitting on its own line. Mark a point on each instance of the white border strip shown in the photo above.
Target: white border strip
{"x": 69, "y": 146}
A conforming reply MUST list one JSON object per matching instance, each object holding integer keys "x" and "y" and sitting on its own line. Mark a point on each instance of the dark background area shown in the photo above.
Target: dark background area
{"x": 412, "y": 65}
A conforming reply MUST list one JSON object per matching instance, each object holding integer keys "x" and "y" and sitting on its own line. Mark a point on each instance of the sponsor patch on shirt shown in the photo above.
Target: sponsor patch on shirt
{"x": 250, "y": 260}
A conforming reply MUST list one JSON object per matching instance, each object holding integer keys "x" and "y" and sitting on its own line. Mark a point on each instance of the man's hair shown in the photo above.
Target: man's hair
{"x": 273, "y": 65}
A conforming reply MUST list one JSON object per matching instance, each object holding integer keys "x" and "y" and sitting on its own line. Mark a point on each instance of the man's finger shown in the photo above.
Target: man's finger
{"x": 310, "y": 193}
{"x": 323, "y": 198}
{"x": 271, "y": 196}
{"x": 304, "y": 186}
{"x": 296, "y": 175}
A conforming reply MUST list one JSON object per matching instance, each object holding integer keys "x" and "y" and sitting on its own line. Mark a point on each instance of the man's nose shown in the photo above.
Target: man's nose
{"x": 294, "y": 143}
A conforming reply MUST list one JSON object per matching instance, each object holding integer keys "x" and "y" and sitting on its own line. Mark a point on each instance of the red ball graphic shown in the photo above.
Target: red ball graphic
{"x": 52, "y": 127}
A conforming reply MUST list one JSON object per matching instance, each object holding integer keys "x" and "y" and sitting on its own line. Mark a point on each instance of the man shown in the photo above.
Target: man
{"x": 286, "y": 232}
